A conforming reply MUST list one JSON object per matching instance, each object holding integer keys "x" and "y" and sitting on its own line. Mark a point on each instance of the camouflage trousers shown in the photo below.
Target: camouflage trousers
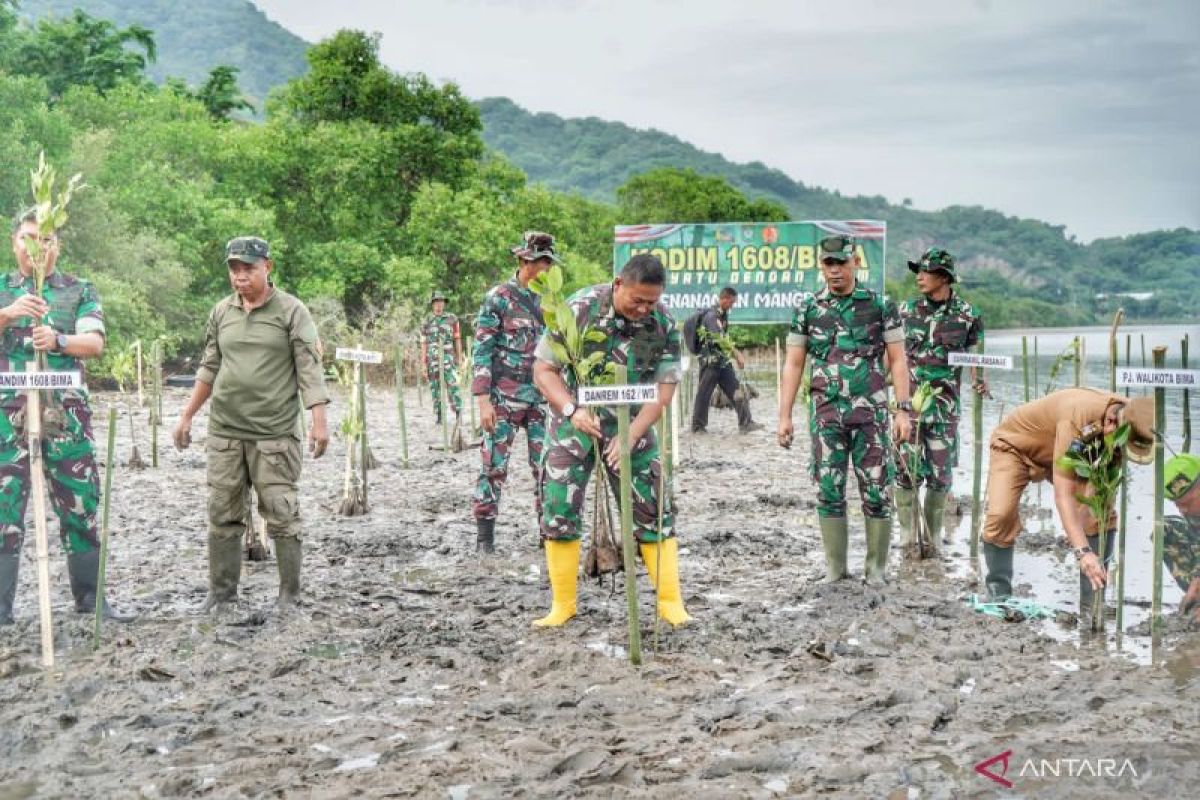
{"x": 569, "y": 463}
{"x": 1181, "y": 550}
{"x": 72, "y": 476}
{"x": 496, "y": 447}
{"x": 435, "y": 389}
{"x": 271, "y": 467}
{"x": 837, "y": 446}
{"x": 937, "y": 456}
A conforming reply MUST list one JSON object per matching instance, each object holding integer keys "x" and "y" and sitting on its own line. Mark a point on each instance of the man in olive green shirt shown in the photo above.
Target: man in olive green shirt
{"x": 260, "y": 349}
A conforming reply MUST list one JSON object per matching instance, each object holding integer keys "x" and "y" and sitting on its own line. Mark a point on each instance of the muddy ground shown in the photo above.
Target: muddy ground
{"x": 412, "y": 670}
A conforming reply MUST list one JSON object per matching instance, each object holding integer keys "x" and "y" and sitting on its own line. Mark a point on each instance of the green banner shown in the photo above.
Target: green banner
{"x": 771, "y": 264}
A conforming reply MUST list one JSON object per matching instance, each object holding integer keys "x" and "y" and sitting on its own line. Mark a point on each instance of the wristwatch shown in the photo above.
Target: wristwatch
{"x": 1080, "y": 552}
{"x": 904, "y": 405}
{"x": 60, "y": 342}
{"x": 569, "y": 410}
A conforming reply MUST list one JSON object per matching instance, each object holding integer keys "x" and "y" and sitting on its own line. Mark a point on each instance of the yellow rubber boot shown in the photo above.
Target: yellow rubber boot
{"x": 562, "y": 564}
{"x": 664, "y": 556}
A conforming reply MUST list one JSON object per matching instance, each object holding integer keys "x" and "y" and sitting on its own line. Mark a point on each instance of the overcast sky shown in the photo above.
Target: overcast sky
{"x": 1078, "y": 112}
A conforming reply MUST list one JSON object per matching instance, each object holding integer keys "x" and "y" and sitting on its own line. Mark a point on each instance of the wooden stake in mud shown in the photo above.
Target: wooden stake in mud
{"x": 1187, "y": 401}
{"x": 778, "y": 376}
{"x": 363, "y": 447}
{"x": 443, "y": 396}
{"x": 37, "y": 474}
{"x": 976, "y": 477}
{"x": 155, "y": 404}
{"x": 104, "y": 504}
{"x": 400, "y": 411}
{"x": 1036, "y": 391}
{"x": 1122, "y": 522}
{"x": 1160, "y": 416}
{"x": 1025, "y": 364}
{"x": 1078, "y": 359}
{"x": 628, "y": 548}
{"x": 137, "y": 346}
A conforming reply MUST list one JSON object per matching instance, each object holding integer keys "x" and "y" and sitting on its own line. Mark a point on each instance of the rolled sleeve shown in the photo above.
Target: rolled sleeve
{"x": 798, "y": 330}
{"x": 545, "y": 352}
{"x": 487, "y": 328}
{"x": 669, "y": 365}
{"x": 893, "y": 326}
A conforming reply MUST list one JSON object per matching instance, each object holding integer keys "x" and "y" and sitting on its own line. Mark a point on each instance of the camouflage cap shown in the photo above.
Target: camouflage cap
{"x": 935, "y": 259}
{"x": 536, "y": 245}
{"x": 247, "y": 249}
{"x": 1180, "y": 475}
{"x": 438, "y": 294}
{"x": 837, "y": 248}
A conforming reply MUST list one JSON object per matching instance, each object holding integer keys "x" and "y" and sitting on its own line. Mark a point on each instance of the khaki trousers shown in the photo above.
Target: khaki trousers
{"x": 271, "y": 467}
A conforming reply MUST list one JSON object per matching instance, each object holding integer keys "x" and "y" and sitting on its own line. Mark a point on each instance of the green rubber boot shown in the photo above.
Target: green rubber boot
{"x": 835, "y": 536}
{"x": 879, "y": 542}
{"x": 935, "y": 517}
{"x": 904, "y": 506}
{"x": 83, "y": 570}
{"x": 224, "y": 570}
{"x": 999, "y": 562}
{"x": 289, "y": 553}
{"x": 10, "y": 564}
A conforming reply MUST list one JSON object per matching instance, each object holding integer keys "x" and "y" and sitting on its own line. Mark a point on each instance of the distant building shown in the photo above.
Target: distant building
{"x": 1139, "y": 296}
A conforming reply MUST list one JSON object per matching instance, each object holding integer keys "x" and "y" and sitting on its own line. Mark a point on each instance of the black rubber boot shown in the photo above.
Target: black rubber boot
{"x": 999, "y": 571}
{"x": 10, "y": 564}
{"x": 485, "y": 538}
{"x": 289, "y": 555}
{"x": 224, "y": 570}
{"x": 83, "y": 569}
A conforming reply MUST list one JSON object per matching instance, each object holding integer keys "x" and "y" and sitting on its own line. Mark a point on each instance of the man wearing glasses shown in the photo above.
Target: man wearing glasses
{"x": 937, "y": 323}
{"x": 847, "y": 328}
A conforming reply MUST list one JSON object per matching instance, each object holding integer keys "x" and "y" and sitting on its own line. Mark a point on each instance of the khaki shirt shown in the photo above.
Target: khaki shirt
{"x": 256, "y": 363}
{"x": 1041, "y": 431}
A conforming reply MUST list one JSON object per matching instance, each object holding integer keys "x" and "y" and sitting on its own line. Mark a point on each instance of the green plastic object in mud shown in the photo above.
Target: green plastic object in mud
{"x": 835, "y": 537}
{"x": 1013, "y": 609}
{"x": 879, "y": 542}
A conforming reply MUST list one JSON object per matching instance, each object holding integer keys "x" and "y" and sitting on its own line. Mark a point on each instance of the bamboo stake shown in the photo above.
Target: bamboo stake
{"x": 627, "y": 546}
{"x": 976, "y": 476}
{"x": 1122, "y": 530}
{"x": 155, "y": 407}
{"x": 103, "y": 571}
{"x": 33, "y": 427}
{"x": 661, "y": 425}
{"x": 1187, "y": 402}
{"x": 1025, "y": 364}
{"x": 400, "y": 410}
{"x": 141, "y": 398}
{"x": 1160, "y": 408}
{"x": 1078, "y": 361}
{"x": 363, "y": 447}
{"x": 1036, "y": 391}
{"x": 421, "y": 369}
{"x": 778, "y": 376}
{"x": 1099, "y": 606}
{"x": 443, "y": 396}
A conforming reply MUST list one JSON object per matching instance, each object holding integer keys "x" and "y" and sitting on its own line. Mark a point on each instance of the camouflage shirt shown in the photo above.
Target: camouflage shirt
{"x": 74, "y": 308}
{"x": 506, "y": 334}
{"x": 712, "y": 331}
{"x": 648, "y": 347}
{"x": 845, "y": 337}
{"x": 1181, "y": 548}
{"x": 440, "y": 331}
{"x": 931, "y": 332}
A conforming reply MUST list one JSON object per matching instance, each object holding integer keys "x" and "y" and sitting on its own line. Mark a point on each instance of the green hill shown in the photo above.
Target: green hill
{"x": 194, "y": 37}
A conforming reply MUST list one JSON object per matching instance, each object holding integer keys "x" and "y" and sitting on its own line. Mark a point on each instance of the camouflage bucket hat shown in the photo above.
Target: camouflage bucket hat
{"x": 247, "y": 249}
{"x": 438, "y": 294}
{"x": 1180, "y": 474}
{"x": 935, "y": 259}
{"x": 837, "y": 248}
{"x": 536, "y": 245}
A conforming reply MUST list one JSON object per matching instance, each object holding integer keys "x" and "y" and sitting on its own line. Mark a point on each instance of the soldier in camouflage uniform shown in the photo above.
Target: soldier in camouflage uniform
{"x": 506, "y": 333}
{"x": 630, "y": 326}
{"x": 716, "y": 367}
{"x": 441, "y": 352}
{"x": 1181, "y": 535}
{"x": 936, "y": 324}
{"x": 65, "y": 323}
{"x": 847, "y": 328}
